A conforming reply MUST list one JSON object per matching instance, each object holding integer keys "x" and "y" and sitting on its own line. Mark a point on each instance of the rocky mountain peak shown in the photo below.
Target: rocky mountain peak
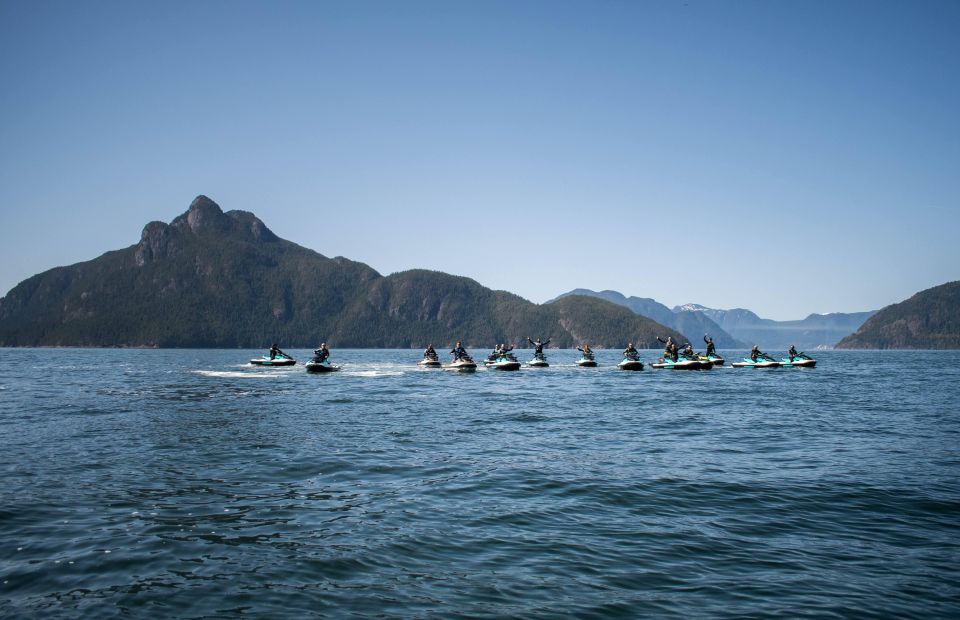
{"x": 203, "y": 214}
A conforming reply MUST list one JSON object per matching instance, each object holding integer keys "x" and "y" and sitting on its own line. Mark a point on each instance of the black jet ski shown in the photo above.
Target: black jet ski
{"x": 429, "y": 361}
{"x": 713, "y": 359}
{"x": 324, "y": 366}
{"x": 464, "y": 364}
{"x": 631, "y": 361}
{"x": 504, "y": 362}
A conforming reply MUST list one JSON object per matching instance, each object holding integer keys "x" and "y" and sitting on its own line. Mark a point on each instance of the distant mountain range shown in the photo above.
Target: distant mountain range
{"x": 816, "y": 331}
{"x": 215, "y": 279}
{"x": 694, "y": 324}
{"x": 928, "y": 320}
{"x": 740, "y": 328}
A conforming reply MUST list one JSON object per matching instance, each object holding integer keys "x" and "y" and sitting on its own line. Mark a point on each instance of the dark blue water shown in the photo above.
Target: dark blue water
{"x": 187, "y": 484}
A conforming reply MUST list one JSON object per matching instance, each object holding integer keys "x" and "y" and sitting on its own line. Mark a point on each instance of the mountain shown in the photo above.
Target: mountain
{"x": 928, "y": 320}
{"x": 690, "y": 322}
{"x": 215, "y": 279}
{"x": 814, "y": 331}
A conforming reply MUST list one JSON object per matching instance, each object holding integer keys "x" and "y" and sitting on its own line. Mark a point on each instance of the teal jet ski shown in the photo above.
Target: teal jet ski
{"x": 800, "y": 360}
{"x": 762, "y": 361}
{"x": 539, "y": 361}
{"x": 586, "y": 360}
{"x": 681, "y": 363}
{"x": 279, "y": 360}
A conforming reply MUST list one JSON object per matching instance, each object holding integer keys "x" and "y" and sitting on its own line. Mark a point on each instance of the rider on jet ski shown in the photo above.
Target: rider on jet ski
{"x": 321, "y": 354}
{"x": 458, "y": 352}
{"x": 792, "y": 353}
{"x": 429, "y": 353}
{"x": 538, "y": 346}
{"x": 711, "y": 350}
{"x": 630, "y": 352}
{"x": 687, "y": 350}
{"x": 586, "y": 350}
{"x": 670, "y": 348}
{"x": 756, "y": 354}
{"x": 275, "y": 352}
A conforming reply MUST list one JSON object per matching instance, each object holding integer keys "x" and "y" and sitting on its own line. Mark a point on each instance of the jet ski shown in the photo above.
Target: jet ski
{"x": 504, "y": 362}
{"x": 464, "y": 364}
{"x": 324, "y": 366}
{"x": 682, "y": 363}
{"x": 430, "y": 361}
{"x": 280, "y": 360}
{"x": 801, "y": 360}
{"x": 630, "y": 362}
{"x": 586, "y": 360}
{"x": 538, "y": 361}
{"x": 498, "y": 355}
{"x": 762, "y": 361}
{"x": 714, "y": 359}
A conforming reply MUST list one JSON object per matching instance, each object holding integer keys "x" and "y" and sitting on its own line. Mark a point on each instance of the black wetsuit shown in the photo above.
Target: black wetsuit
{"x": 320, "y": 355}
{"x": 711, "y": 350}
{"x": 458, "y": 353}
{"x": 670, "y": 351}
{"x": 792, "y": 353}
{"x": 631, "y": 353}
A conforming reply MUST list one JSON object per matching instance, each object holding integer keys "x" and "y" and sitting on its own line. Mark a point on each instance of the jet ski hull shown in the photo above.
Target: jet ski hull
{"x": 748, "y": 363}
{"x": 630, "y": 365}
{"x": 586, "y": 363}
{"x": 681, "y": 364}
{"x": 429, "y": 363}
{"x": 320, "y": 367}
{"x": 800, "y": 363}
{"x": 279, "y": 361}
{"x": 461, "y": 366}
{"x": 504, "y": 365}
{"x": 537, "y": 364}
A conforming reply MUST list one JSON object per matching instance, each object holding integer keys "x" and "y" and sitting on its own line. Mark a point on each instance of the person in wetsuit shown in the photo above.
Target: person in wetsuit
{"x": 688, "y": 350}
{"x": 711, "y": 350}
{"x": 458, "y": 352}
{"x": 670, "y": 348}
{"x": 630, "y": 352}
{"x": 321, "y": 353}
{"x": 429, "y": 353}
{"x": 586, "y": 350}
{"x": 275, "y": 352}
{"x": 755, "y": 354}
{"x": 538, "y": 345}
{"x": 792, "y": 353}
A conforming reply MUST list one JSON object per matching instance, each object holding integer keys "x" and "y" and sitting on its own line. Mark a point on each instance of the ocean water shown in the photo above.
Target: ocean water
{"x": 186, "y": 483}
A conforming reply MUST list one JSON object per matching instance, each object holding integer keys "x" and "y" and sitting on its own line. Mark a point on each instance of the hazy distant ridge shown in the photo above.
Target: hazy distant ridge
{"x": 739, "y": 328}
{"x": 693, "y": 324}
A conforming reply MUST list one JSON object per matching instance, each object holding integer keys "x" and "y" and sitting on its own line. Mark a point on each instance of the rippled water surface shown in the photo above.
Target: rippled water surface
{"x": 188, "y": 484}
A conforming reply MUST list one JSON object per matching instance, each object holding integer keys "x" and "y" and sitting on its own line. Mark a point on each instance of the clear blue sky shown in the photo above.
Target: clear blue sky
{"x": 788, "y": 157}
